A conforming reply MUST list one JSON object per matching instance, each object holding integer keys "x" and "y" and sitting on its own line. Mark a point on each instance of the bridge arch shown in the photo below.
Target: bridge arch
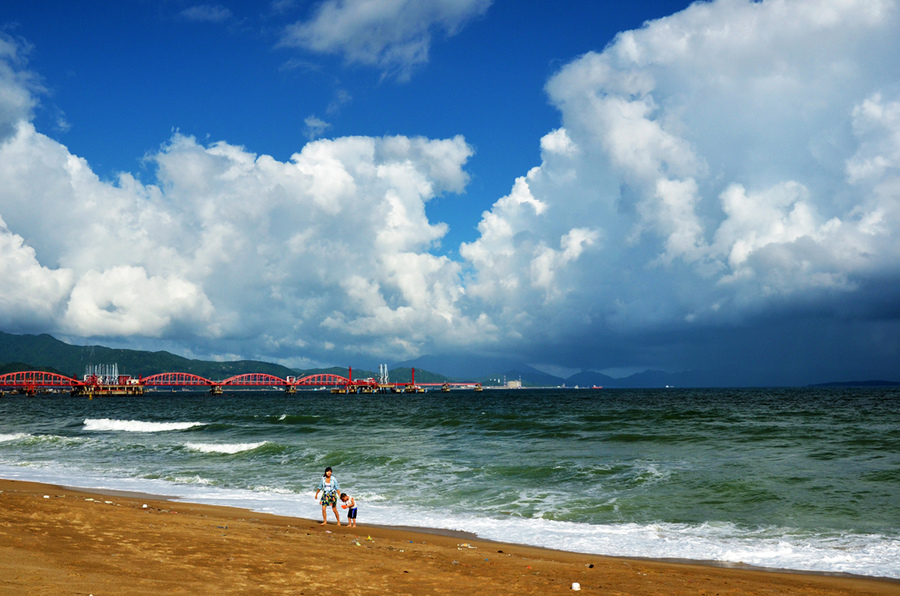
{"x": 321, "y": 380}
{"x": 37, "y": 378}
{"x": 176, "y": 378}
{"x": 254, "y": 379}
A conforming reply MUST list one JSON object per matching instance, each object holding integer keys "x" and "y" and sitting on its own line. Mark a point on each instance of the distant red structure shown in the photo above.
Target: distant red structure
{"x": 33, "y": 382}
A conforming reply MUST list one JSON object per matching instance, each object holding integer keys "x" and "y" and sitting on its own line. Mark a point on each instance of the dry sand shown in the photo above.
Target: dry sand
{"x": 56, "y": 540}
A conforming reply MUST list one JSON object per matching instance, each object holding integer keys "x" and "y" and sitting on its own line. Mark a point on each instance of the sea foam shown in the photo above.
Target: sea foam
{"x": 135, "y": 426}
{"x": 229, "y": 448}
{"x": 872, "y": 555}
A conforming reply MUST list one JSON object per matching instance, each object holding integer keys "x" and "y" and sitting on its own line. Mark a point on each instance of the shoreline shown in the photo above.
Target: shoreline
{"x": 68, "y": 540}
{"x": 470, "y": 536}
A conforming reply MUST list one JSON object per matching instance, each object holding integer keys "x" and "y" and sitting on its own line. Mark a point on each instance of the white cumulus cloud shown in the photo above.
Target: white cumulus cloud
{"x": 32, "y": 294}
{"x": 732, "y": 159}
{"x": 331, "y": 248}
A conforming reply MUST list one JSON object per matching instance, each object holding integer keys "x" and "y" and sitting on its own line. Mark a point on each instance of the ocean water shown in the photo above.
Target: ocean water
{"x": 805, "y": 479}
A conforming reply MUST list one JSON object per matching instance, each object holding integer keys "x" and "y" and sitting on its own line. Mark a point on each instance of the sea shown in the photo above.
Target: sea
{"x": 797, "y": 478}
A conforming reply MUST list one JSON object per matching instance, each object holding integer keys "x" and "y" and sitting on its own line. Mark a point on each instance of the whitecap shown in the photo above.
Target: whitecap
{"x": 196, "y": 479}
{"x": 229, "y": 448}
{"x": 135, "y": 426}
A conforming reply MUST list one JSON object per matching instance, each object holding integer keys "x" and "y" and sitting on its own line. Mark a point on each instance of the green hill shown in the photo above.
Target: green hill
{"x": 45, "y": 351}
{"x": 11, "y": 367}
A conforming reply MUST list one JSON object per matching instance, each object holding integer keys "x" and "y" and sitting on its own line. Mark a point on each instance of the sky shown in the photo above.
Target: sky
{"x": 603, "y": 186}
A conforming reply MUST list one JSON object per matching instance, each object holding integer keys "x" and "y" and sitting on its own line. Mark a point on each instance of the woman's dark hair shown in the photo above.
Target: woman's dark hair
{"x": 328, "y": 469}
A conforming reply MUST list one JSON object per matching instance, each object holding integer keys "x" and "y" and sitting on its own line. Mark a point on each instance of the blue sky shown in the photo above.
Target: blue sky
{"x": 578, "y": 185}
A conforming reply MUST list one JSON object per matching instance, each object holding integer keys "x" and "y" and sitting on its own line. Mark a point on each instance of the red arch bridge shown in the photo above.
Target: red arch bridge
{"x": 33, "y": 382}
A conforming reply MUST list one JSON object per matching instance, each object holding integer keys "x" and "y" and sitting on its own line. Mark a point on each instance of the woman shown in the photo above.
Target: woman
{"x": 329, "y": 488}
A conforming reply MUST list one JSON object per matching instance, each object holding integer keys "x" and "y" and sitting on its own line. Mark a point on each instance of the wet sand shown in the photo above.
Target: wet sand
{"x": 56, "y": 540}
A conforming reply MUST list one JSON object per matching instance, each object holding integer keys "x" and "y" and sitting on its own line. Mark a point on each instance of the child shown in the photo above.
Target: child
{"x": 351, "y": 503}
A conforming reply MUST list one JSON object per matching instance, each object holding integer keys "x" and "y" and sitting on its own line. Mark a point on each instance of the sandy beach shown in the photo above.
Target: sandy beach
{"x": 56, "y": 540}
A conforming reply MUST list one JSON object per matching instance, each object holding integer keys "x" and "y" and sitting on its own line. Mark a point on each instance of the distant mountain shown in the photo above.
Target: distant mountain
{"x": 656, "y": 378}
{"x": 650, "y": 379}
{"x": 335, "y": 370}
{"x": 44, "y": 352}
{"x": 404, "y": 375}
{"x": 531, "y": 377}
{"x": 47, "y": 351}
{"x": 591, "y": 379}
{"x": 465, "y": 368}
{"x": 477, "y": 368}
{"x": 481, "y": 369}
{"x": 11, "y": 367}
